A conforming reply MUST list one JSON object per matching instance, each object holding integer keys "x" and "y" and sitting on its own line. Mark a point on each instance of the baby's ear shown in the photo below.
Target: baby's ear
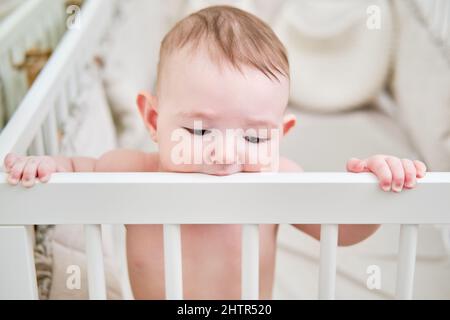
{"x": 147, "y": 105}
{"x": 289, "y": 121}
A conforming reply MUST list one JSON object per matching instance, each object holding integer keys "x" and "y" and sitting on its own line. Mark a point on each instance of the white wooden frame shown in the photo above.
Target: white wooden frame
{"x": 123, "y": 198}
{"x": 308, "y": 198}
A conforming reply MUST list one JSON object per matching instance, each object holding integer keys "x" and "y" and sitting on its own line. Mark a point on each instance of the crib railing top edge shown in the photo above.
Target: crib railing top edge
{"x": 307, "y": 198}
{"x": 312, "y": 177}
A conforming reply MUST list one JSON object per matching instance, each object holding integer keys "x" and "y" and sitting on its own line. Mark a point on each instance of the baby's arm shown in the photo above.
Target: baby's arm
{"x": 27, "y": 169}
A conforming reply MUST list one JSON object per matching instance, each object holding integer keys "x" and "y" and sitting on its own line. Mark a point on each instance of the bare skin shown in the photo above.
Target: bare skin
{"x": 220, "y": 98}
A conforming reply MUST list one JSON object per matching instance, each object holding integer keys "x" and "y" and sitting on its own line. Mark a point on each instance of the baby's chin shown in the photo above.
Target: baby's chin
{"x": 216, "y": 170}
{"x": 223, "y": 170}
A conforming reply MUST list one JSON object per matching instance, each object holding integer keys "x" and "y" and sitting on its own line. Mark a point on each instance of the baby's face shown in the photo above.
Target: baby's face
{"x": 216, "y": 120}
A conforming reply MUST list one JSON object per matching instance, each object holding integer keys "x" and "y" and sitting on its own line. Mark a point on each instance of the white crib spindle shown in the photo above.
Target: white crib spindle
{"x": 445, "y": 29}
{"x": 17, "y": 270}
{"x": 327, "y": 272}
{"x": 250, "y": 262}
{"x": 120, "y": 255}
{"x": 51, "y": 133}
{"x": 173, "y": 262}
{"x": 37, "y": 146}
{"x": 62, "y": 108}
{"x": 406, "y": 262}
{"x": 95, "y": 269}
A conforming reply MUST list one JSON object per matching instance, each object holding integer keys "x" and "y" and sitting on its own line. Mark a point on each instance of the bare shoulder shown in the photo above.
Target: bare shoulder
{"x": 288, "y": 165}
{"x": 127, "y": 160}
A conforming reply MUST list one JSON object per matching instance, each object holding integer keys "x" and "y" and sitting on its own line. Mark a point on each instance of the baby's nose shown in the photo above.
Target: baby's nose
{"x": 226, "y": 153}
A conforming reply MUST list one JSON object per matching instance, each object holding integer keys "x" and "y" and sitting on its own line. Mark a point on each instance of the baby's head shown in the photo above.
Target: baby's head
{"x": 221, "y": 94}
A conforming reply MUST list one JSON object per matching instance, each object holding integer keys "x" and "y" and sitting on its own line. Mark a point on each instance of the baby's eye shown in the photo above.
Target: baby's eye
{"x": 198, "y": 132}
{"x": 255, "y": 139}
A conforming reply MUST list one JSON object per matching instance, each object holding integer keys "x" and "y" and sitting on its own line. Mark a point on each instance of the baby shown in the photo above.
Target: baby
{"x": 221, "y": 70}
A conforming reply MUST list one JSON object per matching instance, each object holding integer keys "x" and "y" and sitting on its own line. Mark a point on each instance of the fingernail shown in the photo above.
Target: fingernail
{"x": 397, "y": 188}
{"x": 387, "y": 188}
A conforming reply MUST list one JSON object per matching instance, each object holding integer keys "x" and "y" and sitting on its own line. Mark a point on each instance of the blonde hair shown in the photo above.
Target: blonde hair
{"x": 233, "y": 35}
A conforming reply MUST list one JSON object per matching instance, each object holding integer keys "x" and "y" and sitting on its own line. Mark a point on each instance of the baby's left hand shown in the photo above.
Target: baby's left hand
{"x": 390, "y": 170}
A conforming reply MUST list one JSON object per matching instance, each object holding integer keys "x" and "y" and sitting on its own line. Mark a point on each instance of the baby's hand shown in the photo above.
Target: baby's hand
{"x": 28, "y": 168}
{"x": 390, "y": 170}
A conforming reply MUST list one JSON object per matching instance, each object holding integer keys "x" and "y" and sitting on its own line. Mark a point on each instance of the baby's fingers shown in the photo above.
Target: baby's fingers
{"x": 356, "y": 165}
{"x": 381, "y": 169}
{"x": 9, "y": 161}
{"x": 16, "y": 171}
{"x": 421, "y": 168}
{"x": 410, "y": 173}
{"x": 29, "y": 172}
{"x": 45, "y": 169}
{"x": 398, "y": 173}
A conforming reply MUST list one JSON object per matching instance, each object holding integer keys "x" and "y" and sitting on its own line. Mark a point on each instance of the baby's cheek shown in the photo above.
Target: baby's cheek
{"x": 262, "y": 157}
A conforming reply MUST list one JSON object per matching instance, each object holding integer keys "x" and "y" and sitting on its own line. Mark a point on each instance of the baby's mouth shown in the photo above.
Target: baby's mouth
{"x": 223, "y": 169}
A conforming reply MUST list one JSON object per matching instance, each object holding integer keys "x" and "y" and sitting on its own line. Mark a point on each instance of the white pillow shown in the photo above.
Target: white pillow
{"x": 130, "y": 55}
{"x": 90, "y": 130}
{"x": 2, "y": 105}
{"x": 337, "y": 62}
{"x": 192, "y": 6}
{"x": 421, "y": 86}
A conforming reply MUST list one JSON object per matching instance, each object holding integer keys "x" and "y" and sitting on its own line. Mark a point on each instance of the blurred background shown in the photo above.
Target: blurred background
{"x": 367, "y": 77}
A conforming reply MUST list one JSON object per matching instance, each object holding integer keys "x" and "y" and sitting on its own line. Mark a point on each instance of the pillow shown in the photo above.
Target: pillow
{"x": 421, "y": 87}
{"x": 89, "y": 130}
{"x": 2, "y": 105}
{"x": 68, "y": 248}
{"x": 130, "y": 56}
{"x": 337, "y": 62}
{"x": 192, "y": 6}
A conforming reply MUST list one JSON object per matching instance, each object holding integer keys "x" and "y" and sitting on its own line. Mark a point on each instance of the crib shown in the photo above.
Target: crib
{"x": 321, "y": 198}
{"x": 27, "y": 37}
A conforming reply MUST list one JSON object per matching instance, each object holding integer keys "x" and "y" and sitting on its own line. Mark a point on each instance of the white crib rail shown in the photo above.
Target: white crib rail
{"x": 93, "y": 199}
{"x": 306, "y": 198}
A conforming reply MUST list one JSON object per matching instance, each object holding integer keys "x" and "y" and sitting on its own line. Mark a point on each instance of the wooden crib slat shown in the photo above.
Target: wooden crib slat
{"x": 62, "y": 107}
{"x": 406, "y": 261}
{"x": 95, "y": 268}
{"x": 327, "y": 271}
{"x": 445, "y": 29}
{"x": 172, "y": 262}
{"x": 17, "y": 270}
{"x": 51, "y": 133}
{"x": 37, "y": 146}
{"x": 250, "y": 262}
{"x": 120, "y": 255}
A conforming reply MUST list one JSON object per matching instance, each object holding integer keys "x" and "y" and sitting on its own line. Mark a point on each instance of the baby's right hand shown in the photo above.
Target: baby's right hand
{"x": 28, "y": 168}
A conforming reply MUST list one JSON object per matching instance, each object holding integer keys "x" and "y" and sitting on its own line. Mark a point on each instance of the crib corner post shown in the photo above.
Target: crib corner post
{"x": 17, "y": 269}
